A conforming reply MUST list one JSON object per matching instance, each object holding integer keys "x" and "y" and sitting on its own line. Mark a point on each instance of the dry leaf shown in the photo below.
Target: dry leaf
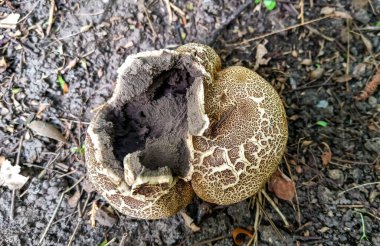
{"x": 73, "y": 201}
{"x": 3, "y": 64}
{"x": 92, "y": 213}
{"x": 317, "y": 73}
{"x": 326, "y": 154}
{"x": 327, "y": 11}
{"x": 189, "y": 222}
{"x": 85, "y": 28}
{"x": 46, "y": 130}
{"x": 343, "y": 15}
{"x": 367, "y": 43}
{"x": 282, "y": 186}
{"x": 10, "y": 21}
{"x": 87, "y": 186}
{"x": 41, "y": 108}
{"x": 306, "y": 62}
{"x": 70, "y": 65}
{"x": 359, "y": 4}
{"x": 105, "y": 217}
{"x": 261, "y": 51}
{"x": 9, "y": 175}
{"x": 343, "y": 79}
{"x": 238, "y": 231}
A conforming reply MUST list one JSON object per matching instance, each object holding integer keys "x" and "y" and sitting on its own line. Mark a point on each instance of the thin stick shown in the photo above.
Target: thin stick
{"x": 358, "y": 186}
{"x": 281, "y": 30}
{"x": 169, "y": 10}
{"x": 56, "y": 211}
{"x": 224, "y": 25}
{"x": 177, "y": 10}
{"x": 27, "y": 15}
{"x": 275, "y": 208}
{"x": 208, "y": 241}
{"x": 12, "y": 212}
{"x": 51, "y": 16}
{"x": 150, "y": 23}
{"x": 301, "y": 15}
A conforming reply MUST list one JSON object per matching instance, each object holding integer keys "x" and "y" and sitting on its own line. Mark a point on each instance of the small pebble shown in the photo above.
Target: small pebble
{"x": 362, "y": 16}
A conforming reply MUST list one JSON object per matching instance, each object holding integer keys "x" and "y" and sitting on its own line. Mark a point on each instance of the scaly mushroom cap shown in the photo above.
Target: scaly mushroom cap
{"x": 245, "y": 141}
{"x": 175, "y": 124}
{"x": 138, "y": 146}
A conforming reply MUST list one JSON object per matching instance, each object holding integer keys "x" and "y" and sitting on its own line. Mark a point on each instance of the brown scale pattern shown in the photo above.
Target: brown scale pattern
{"x": 247, "y": 117}
{"x": 177, "y": 197}
{"x": 232, "y": 160}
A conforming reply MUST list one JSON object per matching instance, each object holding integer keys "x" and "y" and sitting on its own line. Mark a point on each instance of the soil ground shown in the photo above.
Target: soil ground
{"x": 317, "y": 68}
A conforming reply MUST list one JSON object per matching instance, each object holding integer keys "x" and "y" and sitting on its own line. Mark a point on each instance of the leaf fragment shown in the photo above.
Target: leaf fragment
{"x": 238, "y": 231}
{"x": 10, "y": 175}
{"x": 321, "y": 123}
{"x": 326, "y": 154}
{"x": 282, "y": 186}
{"x": 270, "y": 4}
{"x": 189, "y": 222}
{"x": 62, "y": 83}
{"x": 46, "y": 130}
{"x": 10, "y": 21}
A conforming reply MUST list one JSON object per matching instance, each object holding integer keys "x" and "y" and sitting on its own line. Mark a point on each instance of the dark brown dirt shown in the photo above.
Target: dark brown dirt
{"x": 320, "y": 106}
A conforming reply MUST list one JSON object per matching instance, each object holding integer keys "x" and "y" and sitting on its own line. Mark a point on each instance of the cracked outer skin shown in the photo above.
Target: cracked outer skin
{"x": 146, "y": 200}
{"x": 246, "y": 139}
{"x": 232, "y": 158}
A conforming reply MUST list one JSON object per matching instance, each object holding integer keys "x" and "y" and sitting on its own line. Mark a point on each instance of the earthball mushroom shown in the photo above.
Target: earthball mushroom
{"x": 176, "y": 125}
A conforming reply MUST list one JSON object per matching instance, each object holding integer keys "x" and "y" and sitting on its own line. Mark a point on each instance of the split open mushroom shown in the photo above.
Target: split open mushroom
{"x": 176, "y": 125}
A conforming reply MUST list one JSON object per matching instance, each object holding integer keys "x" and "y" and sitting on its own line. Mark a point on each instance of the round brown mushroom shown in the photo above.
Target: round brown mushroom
{"x": 176, "y": 124}
{"x": 245, "y": 141}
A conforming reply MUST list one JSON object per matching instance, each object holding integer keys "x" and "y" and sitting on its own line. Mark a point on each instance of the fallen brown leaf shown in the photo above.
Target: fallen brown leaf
{"x": 73, "y": 201}
{"x": 46, "y": 130}
{"x": 261, "y": 51}
{"x": 238, "y": 231}
{"x": 189, "y": 222}
{"x": 343, "y": 79}
{"x": 282, "y": 186}
{"x": 326, "y": 154}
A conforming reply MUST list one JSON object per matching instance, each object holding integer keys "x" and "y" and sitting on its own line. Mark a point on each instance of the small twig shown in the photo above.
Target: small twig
{"x": 27, "y": 15}
{"x": 208, "y": 241}
{"x": 12, "y": 210}
{"x": 301, "y": 15}
{"x": 358, "y": 186}
{"x": 150, "y": 24}
{"x": 350, "y": 206}
{"x": 111, "y": 241}
{"x": 224, "y": 25}
{"x": 177, "y": 10}
{"x": 56, "y": 211}
{"x": 287, "y": 225}
{"x": 169, "y": 10}
{"x": 279, "y": 31}
{"x": 51, "y": 17}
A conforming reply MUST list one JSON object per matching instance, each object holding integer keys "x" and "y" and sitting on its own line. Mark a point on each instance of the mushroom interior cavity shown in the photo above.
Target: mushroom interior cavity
{"x": 150, "y": 127}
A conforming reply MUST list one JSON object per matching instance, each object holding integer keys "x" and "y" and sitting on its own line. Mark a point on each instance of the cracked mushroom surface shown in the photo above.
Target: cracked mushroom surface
{"x": 177, "y": 124}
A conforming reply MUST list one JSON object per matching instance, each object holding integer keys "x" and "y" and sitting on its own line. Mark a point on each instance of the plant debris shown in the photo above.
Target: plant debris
{"x": 47, "y": 130}
{"x": 10, "y": 175}
{"x": 370, "y": 87}
{"x": 282, "y": 186}
{"x": 237, "y": 232}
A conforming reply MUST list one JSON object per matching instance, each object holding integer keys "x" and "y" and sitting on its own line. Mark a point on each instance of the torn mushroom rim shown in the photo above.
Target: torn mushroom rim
{"x": 100, "y": 136}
